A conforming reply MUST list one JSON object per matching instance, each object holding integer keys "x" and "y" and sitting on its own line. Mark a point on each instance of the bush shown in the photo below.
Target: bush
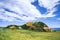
{"x": 12, "y": 26}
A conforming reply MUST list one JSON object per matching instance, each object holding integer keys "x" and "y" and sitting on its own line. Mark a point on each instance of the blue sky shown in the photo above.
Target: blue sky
{"x": 22, "y": 11}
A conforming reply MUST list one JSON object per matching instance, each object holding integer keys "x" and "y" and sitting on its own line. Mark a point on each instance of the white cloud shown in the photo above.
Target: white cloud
{"x": 49, "y": 4}
{"x": 50, "y": 13}
{"x": 58, "y": 18}
{"x": 24, "y": 7}
{"x": 20, "y": 7}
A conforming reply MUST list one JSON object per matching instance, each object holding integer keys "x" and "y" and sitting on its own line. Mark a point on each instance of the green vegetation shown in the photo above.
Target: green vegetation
{"x": 24, "y": 26}
{"x": 20, "y": 34}
{"x": 40, "y": 24}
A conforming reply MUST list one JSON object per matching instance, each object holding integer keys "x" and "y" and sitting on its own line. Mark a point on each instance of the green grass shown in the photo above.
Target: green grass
{"x": 20, "y": 34}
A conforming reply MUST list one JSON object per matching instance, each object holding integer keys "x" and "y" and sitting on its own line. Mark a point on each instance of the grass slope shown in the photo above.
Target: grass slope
{"x": 20, "y": 34}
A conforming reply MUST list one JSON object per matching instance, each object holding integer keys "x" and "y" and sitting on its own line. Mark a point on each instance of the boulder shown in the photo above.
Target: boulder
{"x": 47, "y": 29}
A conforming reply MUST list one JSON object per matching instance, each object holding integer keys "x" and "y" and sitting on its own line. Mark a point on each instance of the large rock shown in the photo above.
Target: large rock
{"x": 30, "y": 25}
{"x": 46, "y": 29}
{"x": 38, "y": 26}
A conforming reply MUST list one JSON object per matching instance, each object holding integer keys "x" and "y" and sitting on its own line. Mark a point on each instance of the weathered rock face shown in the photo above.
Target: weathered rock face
{"x": 30, "y": 25}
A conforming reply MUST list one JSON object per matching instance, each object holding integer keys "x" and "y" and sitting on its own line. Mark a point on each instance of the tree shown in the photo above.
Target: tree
{"x": 24, "y": 26}
{"x": 40, "y": 24}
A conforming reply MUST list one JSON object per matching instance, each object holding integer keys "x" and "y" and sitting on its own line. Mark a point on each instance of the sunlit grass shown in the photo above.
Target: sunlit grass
{"x": 20, "y": 34}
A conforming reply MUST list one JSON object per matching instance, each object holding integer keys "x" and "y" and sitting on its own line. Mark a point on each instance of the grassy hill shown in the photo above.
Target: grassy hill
{"x": 20, "y": 34}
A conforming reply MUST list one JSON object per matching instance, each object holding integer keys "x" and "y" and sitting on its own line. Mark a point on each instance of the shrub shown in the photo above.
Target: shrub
{"x": 12, "y": 26}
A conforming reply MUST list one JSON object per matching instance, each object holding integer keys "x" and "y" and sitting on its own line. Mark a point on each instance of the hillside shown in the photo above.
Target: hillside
{"x": 39, "y": 26}
{"x": 20, "y": 34}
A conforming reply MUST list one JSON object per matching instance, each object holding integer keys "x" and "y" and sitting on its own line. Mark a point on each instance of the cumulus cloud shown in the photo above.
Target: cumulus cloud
{"x": 24, "y": 10}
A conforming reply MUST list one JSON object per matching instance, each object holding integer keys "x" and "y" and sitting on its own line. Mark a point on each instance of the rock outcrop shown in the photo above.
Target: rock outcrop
{"x": 40, "y": 26}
